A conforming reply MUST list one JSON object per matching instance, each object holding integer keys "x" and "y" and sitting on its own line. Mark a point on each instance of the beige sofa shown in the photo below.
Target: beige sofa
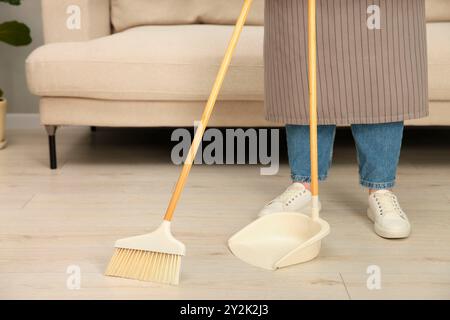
{"x": 144, "y": 63}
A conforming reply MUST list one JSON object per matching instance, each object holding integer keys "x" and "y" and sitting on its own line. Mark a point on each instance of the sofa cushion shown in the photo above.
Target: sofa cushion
{"x": 130, "y": 13}
{"x": 180, "y": 63}
{"x": 438, "y": 10}
{"x": 150, "y": 63}
{"x": 439, "y": 60}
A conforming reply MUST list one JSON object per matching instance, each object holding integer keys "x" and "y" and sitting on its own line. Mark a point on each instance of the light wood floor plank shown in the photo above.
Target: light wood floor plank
{"x": 116, "y": 183}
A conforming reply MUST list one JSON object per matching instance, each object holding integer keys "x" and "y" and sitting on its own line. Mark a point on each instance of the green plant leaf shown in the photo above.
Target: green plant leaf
{"x": 12, "y": 2}
{"x": 15, "y": 33}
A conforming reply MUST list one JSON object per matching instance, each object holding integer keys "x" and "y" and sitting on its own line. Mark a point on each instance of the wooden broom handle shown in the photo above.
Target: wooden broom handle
{"x": 312, "y": 63}
{"x": 208, "y": 111}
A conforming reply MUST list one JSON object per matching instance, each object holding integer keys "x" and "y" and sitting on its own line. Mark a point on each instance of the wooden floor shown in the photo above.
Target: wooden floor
{"x": 116, "y": 183}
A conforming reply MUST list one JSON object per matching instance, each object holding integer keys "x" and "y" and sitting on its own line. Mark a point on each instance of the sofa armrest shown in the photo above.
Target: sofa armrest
{"x": 75, "y": 20}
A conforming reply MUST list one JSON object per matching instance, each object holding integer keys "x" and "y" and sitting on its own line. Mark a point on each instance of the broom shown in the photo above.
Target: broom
{"x": 157, "y": 256}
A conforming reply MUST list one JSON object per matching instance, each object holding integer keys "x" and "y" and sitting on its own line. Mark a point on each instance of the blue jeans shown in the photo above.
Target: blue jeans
{"x": 378, "y": 149}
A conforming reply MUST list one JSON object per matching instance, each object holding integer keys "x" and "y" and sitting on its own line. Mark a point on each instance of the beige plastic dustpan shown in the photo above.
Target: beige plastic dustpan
{"x": 287, "y": 238}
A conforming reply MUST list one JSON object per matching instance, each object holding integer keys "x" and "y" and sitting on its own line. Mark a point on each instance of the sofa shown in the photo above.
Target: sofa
{"x": 151, "y": 63}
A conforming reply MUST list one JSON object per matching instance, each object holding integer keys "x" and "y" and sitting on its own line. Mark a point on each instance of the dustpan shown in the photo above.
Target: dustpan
{"x": 286, "y": 238}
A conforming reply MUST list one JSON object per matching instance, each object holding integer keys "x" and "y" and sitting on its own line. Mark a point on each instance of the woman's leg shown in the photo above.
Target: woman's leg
{"x": 297, "y": 196}
{"x": 378, "y": 148}
{"x": 299, "y": 151}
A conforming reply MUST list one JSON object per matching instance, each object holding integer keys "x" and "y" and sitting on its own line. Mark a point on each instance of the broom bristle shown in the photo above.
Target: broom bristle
{"x": 145, "y": 266}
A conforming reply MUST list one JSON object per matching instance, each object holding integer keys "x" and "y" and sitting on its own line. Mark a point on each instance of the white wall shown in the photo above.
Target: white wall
{"x": 12, "y": 59}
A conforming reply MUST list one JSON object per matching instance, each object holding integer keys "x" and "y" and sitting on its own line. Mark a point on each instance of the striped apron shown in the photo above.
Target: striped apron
{"x": 372, "y": 61}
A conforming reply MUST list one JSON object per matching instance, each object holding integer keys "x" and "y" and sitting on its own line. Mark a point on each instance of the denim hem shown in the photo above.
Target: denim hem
{"x": 306, "y": 179}
{"x": 377, "y": 185}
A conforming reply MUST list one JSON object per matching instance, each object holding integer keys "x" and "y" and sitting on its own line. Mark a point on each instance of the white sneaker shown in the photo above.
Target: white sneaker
{"x": 295, "y": 198}
{"x": 389, "y": 219}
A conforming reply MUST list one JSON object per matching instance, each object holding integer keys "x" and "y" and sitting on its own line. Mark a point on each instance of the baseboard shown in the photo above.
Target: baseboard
{"x": 23, "y": 121}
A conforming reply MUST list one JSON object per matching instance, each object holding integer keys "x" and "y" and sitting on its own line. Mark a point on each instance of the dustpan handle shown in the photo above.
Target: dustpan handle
{"x": 208, "y": 111}
{"x": 312, "y": 74}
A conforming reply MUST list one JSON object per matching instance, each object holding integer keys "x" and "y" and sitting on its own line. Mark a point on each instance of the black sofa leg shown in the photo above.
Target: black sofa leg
{"x": 51, "y": 131}
{"x": 93, "y": 129}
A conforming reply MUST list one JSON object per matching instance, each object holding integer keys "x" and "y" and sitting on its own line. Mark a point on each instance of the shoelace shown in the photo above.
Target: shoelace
{"x": 388, "y": 204}
{"x": 289, "y": 195}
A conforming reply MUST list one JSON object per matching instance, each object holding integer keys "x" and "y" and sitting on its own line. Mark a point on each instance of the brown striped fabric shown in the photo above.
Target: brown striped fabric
{"x": 365, "y": 75}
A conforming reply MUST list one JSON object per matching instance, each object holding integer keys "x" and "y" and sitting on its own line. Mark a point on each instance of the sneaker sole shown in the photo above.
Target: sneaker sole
{"x": 387, "y": 234}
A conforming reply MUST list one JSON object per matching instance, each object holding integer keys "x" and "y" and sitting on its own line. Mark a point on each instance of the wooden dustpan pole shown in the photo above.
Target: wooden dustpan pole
{"x": 208, "y": 111}
{"x": 312, "y": 74}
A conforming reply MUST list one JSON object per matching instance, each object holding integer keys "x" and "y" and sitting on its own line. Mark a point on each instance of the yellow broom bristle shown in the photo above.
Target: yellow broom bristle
{"x": 145, "y": 266}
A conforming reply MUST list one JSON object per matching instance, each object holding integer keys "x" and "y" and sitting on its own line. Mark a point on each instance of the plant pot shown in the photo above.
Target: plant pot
{"x": 2, "y": 123}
